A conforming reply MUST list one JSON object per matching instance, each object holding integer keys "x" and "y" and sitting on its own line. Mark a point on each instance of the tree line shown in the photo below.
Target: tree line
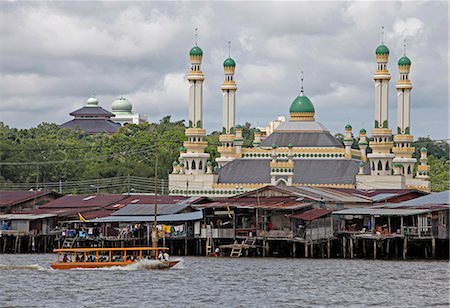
{"x": 48, "y": 153}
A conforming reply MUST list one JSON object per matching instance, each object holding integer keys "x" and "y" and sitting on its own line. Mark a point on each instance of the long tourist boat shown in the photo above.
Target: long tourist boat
{"x": 69, "y": 258}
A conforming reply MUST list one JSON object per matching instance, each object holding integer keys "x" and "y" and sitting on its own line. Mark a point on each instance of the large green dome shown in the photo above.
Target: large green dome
{"x": 404, "y": 61}
{"x": 121, "y": 106}
{"x": 229, "y": 62}
{"x": 196, "y": 51}
{"x": 92, "y": 101}
{"x": 301, "y": 104}
{"x": 382, "y": 50}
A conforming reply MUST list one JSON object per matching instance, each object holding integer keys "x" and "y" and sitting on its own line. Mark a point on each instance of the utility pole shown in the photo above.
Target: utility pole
{"x": 37, "y": 176}
{"x": 155, "y": 214}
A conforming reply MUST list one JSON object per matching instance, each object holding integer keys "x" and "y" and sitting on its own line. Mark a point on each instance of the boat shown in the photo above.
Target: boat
{"x": 69, "y": 258}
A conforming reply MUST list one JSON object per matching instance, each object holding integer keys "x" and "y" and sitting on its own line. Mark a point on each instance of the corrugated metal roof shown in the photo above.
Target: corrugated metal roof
{"x": 75, "y": 201}
{"x": 191, "y": 216}
{"x": 312, "y": 214}
{"x": 25, "y": 216}
{"x": 288, "y": 204}
{"x": 301, "y": 139}
{"x": 381, "y": 211}
{"x": 148, "y": 209}
{"x": 439, "y": 198}
{"x": 8, "y": 198}
{"x": 306, "y": 171}
{"x": 92, "y": 111}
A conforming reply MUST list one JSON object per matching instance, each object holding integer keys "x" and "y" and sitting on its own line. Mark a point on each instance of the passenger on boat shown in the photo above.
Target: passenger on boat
{"x": 166, "y": 256}
{"x": 161, "y": 256}
{"x": 65, "y": 258}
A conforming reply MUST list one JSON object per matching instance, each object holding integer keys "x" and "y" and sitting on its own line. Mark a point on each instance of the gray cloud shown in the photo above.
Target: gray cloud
{"x": 55, "y": 55}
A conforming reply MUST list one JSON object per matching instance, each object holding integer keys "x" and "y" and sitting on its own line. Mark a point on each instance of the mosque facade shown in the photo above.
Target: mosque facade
{"x": 300, "y": 151}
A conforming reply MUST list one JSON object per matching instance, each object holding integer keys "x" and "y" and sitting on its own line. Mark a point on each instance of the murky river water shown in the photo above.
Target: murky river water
{"x": 226, "y": 282}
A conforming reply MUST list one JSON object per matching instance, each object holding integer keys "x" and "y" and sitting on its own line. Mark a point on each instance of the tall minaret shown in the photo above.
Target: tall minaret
{"x": 403, "y": 140}
{"x": 196, "y": 78}
{"x": 227, "y": 150}
{"x": 193, "y": 158}
{"x": 229, "y": 94}
{"x": 381, "y": 156}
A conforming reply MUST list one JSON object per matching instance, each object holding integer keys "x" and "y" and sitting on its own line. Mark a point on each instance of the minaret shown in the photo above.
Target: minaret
{"x": 348, "y": 141}
{"x": 228, "y": 150}
{"x": 381, "y": 156}
{"x": 403, "y": 149}
{"x": 423, "y": 170}
{"x": 362, "y": 144}
{"x": 193, "y": 158}
{"x": 229, "y": 88}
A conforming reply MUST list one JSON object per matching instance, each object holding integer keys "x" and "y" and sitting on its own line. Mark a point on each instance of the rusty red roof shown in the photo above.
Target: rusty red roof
{"x": 83, "y": 201}
{"x": 281, "y": 203}
{"x": 312, "y": 214}
{"x": 8, "y": 198}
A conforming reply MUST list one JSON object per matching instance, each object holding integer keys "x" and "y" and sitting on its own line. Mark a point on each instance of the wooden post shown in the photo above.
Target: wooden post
{"x": 328, "y": 248}
{"x": 388, "y": 241}
{"x": 312, "y": 249}
{"x": 351, "y": 247}
{"x": 433, "y": 248}
{"x": 426, "y": 250}
{"x": 374, "y": 249}
{"x": 185, "y": 246}
{"x": 364, "y": 247}
{"x": 306, "y": 249}
{"x": 405, "y": 248}
{"x": 294, "y": 249}
{"x": 344, "y": 247}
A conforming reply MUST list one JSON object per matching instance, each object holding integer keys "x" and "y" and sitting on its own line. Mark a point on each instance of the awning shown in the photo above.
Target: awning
{"x": 191, "y": 216}
{"x": 25, "y": 216}
{"x": 312, "y": 214}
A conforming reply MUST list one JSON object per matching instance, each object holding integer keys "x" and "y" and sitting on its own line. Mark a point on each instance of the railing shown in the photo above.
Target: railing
{"x": 423, "y": 231}
{"x": 217, "y": 233}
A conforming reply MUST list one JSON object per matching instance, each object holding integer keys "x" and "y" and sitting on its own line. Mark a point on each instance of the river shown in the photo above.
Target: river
{"x": 28, "y": 281}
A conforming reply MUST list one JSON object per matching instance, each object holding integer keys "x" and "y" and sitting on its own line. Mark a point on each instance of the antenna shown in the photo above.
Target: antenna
{"x": 196, "y": 34}
{"x": 404, "y": 47}
{"x": 229, "y": 49}
{"x": 301, "y": 88}
{"x": 382, "y": 34}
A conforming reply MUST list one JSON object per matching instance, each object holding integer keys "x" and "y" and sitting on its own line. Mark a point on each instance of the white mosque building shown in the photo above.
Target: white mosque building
{"x": 300, "y": 151}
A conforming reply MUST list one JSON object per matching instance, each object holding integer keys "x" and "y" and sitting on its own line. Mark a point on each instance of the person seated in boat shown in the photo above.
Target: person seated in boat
{"x": 65, "y": 258}
{"x": 161, "y": 256}
{"x": 166, "y": 256}
{"x": 129, "y": 260}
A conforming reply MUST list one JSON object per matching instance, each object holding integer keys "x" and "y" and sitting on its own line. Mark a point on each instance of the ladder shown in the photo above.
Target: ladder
{"x": 69, "y": 242}
{"x": 236, "y": 251}
{"x": 209, "y": 242}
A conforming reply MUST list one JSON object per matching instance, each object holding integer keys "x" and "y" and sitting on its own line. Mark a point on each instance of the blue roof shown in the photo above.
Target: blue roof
{"x": 440, "y": 198}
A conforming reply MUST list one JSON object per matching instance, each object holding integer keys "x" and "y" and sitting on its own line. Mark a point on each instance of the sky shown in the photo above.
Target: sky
{"x": 53, "y": 56}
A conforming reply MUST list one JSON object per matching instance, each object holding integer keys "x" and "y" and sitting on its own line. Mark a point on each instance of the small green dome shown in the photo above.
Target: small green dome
{"x": 209, "y": 163}
{"x": 121, "y": 106}
{"x": 175, "y": 163}
{"x": 274, "y": 146}
{"x": 362, "y": 131}
{"x": 301, "y": 104}
{"x": 404, "y": 61}
{"x": 382, "y": 50}
{"x": 257, "y": 130}
{"x": 348, "y": 127}
{"x": 92, "y": 101}
{"x": 290, "y": 145}
{"x": 196, "y": 51}
{"x": 238, "y": 126}
{"x": 361, "y": 164}
{"x": 229, "y": 62}
{"x": 423, "y": 150}
{"x": 182, "y": 149}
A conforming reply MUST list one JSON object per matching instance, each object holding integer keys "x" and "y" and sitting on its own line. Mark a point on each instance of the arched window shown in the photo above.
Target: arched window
{"x": 387, "y": 166}
{"x": 409, "y": 169}
{"x": 193, "y": 165}
{"x": 373, "y": 165}
{"x": 187, "y": 165}
{"x": 380, "y": 166}
{"x": 200, "y": 166}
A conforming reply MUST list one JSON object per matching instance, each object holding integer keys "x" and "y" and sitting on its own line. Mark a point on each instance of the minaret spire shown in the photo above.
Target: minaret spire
{"x": 229, "y": 49}
{"x": 404, "y": 47}
{"x": 301, "y": 84}
{"x": 196, "y": 36}
{"x": 382, "y": 35}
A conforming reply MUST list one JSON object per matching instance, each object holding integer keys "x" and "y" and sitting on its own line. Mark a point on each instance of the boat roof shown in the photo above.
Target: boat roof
{"x": 108, "y": 249}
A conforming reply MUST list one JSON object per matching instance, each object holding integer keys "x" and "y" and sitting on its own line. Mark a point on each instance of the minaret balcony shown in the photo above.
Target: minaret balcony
{"x": 196, "y": 75}
{"x": 282, "y": 165}
{"x": 423, "y": 168}
{"x": 381, "y": 132}
{"x": 195, "y": 146}
{"x": 195, "y": 132}
{"x": 403, "y": 138}
{"x": 226, "y": 151}
{"x": 229, "y": 85}
{"x": 404, "y": 151}
{"x": 227, "y": 138}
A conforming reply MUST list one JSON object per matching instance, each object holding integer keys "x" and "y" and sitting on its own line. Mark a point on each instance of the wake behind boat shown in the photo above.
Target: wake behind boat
{"x": 69, "y": 258}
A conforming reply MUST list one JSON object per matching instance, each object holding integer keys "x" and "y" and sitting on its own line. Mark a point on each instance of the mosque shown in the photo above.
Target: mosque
{"x": 93, "y": 119}
{"x": 300, "y": 151}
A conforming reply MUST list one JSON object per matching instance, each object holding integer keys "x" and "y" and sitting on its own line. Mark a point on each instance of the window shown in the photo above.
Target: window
{"x": 380, "y": 166}
{"x": 200, "y": 166}
{"x": 387, "y": 166}
{"x": 193, "y": 165}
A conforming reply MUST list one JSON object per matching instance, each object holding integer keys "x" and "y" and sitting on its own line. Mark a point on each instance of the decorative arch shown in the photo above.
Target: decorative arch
{"x": 380, "y": 165}
{"x": 387, "y": 166}
{"x": 281, "y": 181}
{"x": 193, "y": 167}
{"x": 409, "y": 169}
{"x": 200, "y": 166}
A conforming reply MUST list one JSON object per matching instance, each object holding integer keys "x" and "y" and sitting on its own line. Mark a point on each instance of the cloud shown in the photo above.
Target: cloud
{"x": 54, "y": 55}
